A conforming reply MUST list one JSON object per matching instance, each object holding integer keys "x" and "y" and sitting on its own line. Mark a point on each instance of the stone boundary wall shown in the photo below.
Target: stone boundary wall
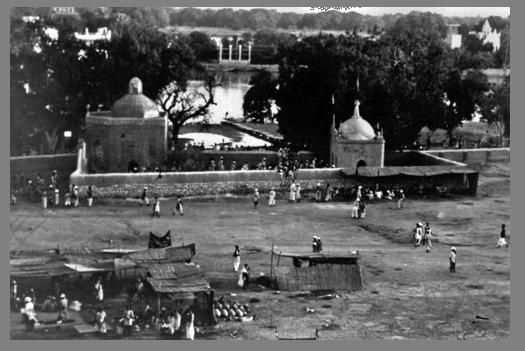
{"x": 130, "y": 185}
{"x": 474, "y": 157}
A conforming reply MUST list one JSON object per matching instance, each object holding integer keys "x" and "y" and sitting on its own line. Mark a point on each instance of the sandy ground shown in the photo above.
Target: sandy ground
{"x": 409, "y": 294}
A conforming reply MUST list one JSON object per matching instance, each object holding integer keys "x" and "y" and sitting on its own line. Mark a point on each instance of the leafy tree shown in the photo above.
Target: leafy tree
{"x": 495, "y": 107}
{"x": 203, "y": 47}
{"x": 464, "y": 95}
{"x": 258, "y": 100}
{"x": 181, "y": 104}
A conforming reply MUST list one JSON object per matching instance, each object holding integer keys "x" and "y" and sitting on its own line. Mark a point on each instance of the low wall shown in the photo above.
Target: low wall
{"x": 474, "y": 157}
{"x": 130, "y": 185}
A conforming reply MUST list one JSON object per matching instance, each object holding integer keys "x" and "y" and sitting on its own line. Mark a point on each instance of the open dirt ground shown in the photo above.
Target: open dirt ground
{"x": 409, "y": 294}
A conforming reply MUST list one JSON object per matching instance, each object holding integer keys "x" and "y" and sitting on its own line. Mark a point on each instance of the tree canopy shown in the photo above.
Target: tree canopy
{"x": 406, "y": 80}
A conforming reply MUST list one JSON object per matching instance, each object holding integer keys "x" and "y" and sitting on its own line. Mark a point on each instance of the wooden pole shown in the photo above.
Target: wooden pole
{"x": 279, "y": 258}
{"x": 271, "y": 263}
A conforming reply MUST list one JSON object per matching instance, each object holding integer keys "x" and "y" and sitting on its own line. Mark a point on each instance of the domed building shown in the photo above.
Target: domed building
{"x": 356, "y": 144}
{"x": 131, "y": 135}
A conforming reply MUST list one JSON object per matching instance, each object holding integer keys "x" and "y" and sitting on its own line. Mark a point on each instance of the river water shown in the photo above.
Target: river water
{"x": 228, "y": 97}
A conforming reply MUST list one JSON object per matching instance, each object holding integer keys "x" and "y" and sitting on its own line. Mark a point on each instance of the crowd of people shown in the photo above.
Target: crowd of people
{"x": 49, "y": 192}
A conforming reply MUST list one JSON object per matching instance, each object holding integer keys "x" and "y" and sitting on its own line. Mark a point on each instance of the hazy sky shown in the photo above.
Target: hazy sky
{"x": 446, "y": 11}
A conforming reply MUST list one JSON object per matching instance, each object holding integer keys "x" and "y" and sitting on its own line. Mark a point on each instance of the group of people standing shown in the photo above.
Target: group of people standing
{"x": 144, "y": 200}
{"x": 423, "y": 236}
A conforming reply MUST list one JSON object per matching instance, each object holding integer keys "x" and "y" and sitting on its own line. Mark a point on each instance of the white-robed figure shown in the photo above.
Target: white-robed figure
{"x": 190, "y": 328}
{"x": 293, "y": 190}
{"x": 418, "y": 235}
{"x": 502, "y": 241}
{"x": 173, "y": 322}
{"x": 236, "y": 258}
{"x": 298, "y": 192}
{"x": 76, "y": 200}
{"x": 271, "y": 198}
{"x": 355, "y": 209}
{"x": 99, "y": 291}
{"x": 100, "y": 319}
{"x": 28, "y": 313}
{"x": 57, "y": 197}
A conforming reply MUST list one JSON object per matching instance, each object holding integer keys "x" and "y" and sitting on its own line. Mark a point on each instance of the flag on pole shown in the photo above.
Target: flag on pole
{"x": 357, "y": 82}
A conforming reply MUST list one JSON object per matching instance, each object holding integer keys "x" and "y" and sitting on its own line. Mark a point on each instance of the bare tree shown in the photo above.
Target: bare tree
{"x": 181, "y": 104}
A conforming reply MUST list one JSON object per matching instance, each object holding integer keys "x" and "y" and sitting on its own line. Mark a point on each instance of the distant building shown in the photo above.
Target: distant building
{"x": 64, "y": 11}
{"x": 101, "y": 34}
{"x": 489, "y": 35}
{"x": 453, "y": 38}
{"x": 30, "y": 19}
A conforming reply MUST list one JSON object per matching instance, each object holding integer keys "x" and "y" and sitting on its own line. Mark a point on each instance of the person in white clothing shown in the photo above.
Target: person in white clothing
{"x": 99, "y": 291}
{"x": 236, "y": 258}
{"x": 293, "y": 189}
{"x": 190, "y": 328}
{"x": 355, "y": 209}
{"x": 100, "y": 320}
{"x": 271, "y": 199}
{"x": 418, "y": 235}
{"x": 298, "y": 193}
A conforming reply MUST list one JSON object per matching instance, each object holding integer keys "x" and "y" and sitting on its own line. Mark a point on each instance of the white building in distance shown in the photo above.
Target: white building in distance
{"x": 101, "y": 34}
{"x": 453, "y": 38}
{"x": 489, "y": 35}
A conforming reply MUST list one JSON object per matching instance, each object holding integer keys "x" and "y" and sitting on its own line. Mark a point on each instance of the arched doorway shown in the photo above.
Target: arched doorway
{"x": 361, "y": 163}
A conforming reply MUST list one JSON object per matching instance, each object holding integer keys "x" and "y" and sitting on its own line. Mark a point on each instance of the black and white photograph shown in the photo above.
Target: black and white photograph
{"x": 259, "y": 173}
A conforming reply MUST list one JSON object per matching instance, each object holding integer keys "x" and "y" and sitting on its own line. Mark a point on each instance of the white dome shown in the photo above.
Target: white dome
{"x": 357, "y": 128}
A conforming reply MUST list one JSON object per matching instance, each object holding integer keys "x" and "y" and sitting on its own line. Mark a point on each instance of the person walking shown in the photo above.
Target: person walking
{"x": 427, "y": 238}
{"x": 298, "y": 193}
{"x": 418, "y": 234}
{"x": 144, "y": 197}
{"x": 156, "y": 208}
{"x": 318, "y": 192}
{"x": 255, "y": 198}
{"x": 328, "y": 195}
{"x": 355, "y": 209}
{"x": 14, "y": 294}
{"x": 128, "y": 320}
{"x": 178, "y": 207}
{"x": 67, "y": 198}
{"x": 271, "y": 198}
{"x": 89, "y": 196}
{"x": 100, "y": 321}
{"x": 57, "y": 197}
{"x": 401, "y": 199}
{"x": 75, "y": 196}
{"x": 452, "y": 259}
{"x": 63, "y": 314}
{"x": 236, "y": 258}
{"x": 361, "y": 211}
{"x": 44, "y": 199}
{"x": 51, "y": 196}
{"x": 99, "y": 292}
{"x": 245, "y": 275}
{"x": 293, "y": 189}
{"x": 190, "y": 327}
{"x": 502, "y": 241}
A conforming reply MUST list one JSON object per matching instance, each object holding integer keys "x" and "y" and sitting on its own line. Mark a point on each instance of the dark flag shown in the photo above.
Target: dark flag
{"x": 158, "y": 243}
